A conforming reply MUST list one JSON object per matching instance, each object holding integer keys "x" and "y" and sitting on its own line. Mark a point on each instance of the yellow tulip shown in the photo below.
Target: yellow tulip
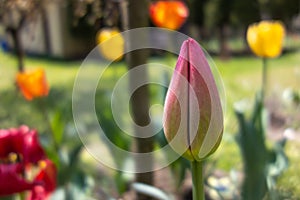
{"x": 111, "y": 43}
{"x": 266, "y": 38}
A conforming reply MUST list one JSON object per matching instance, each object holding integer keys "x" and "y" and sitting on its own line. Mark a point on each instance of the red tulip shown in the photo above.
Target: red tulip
{"x": 20, "y": 154}
{"x": 168, "y": 14}
{"x": 23, "y": 142}
{"x": 193, "y": 117}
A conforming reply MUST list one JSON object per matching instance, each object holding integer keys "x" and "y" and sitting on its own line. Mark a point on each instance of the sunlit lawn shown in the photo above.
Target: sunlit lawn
{"x": 241, "y": 76}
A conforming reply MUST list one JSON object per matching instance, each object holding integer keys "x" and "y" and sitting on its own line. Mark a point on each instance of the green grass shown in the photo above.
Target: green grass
{"x": 241, "y": 76}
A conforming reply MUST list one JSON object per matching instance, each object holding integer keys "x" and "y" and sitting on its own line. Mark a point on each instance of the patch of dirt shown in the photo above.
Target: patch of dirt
{"x": 284, "y": 119}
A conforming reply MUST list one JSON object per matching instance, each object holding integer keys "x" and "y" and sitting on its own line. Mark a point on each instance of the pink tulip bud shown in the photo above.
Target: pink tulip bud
{"x": 193, "y": 116}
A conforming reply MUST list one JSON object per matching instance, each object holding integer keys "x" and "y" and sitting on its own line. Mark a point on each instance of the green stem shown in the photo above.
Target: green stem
{"x": 197, "y": 176}
{"x": 264, "y": 79}
{"x": 44, "y": 110}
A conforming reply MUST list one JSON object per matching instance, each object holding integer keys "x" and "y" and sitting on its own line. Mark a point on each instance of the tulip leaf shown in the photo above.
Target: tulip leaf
{"x": 58, "y": 126}
{"x": 261, "y": 165}
{"x": 121, "y": 182}
{"x": 179, "y": 169}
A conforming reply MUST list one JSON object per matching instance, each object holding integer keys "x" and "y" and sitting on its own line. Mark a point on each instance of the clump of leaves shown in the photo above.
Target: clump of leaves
{"x": 262, "y": 165}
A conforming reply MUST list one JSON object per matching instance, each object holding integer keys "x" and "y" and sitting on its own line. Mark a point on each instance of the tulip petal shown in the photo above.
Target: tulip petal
{"x": 176, "y": 111}
{"x": 45, "y": 181}
{"x": 11, "y": 181}
{"x": 22, "y": 141}
{"x": 5, "y": 143}
{"x": 210, "y": 127}
{"x": 26, "y": 143}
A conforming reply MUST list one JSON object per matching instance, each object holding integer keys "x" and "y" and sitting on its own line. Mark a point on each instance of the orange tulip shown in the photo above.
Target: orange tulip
{"x": 33, "y": 83}
{"x": 168, "y": 14}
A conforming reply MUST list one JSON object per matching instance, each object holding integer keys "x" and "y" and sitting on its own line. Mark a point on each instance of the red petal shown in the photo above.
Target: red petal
{"x": 22, "y": 141}
{"x": 46, "y": 181}
{"x": 11, "y": 181}
{"x": 5, "y": 143}
{"x": 27, "y": 144}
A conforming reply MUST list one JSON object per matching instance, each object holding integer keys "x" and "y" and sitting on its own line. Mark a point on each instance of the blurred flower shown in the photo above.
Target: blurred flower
{"x": 266, "y": 38}
{"x": 168, "y": 14}
{"x": 20, "y": 156}
{"x": 33, "y": 83}
{"x": 45, "y": 181}
{"x": 111, "y": 43}
{"x": 193, "y": 116}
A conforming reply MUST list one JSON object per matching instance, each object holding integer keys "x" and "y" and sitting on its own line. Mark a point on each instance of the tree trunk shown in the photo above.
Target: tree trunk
{"x": 197, "y": 18}
{"x": 140, "y": 100}
{"x": 46, "y": 30}
{"x": 18, "y": 47}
